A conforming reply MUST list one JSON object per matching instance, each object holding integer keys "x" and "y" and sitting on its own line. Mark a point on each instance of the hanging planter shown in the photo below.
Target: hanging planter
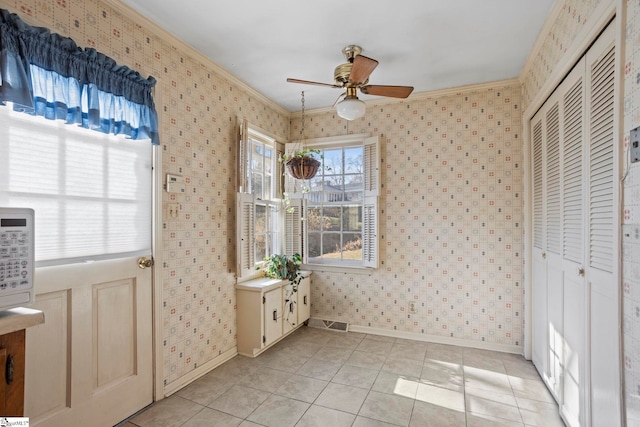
{"x": 302, "y": 167}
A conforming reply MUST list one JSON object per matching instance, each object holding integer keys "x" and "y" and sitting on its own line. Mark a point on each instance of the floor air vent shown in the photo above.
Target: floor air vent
{"x": 329, "y": 324}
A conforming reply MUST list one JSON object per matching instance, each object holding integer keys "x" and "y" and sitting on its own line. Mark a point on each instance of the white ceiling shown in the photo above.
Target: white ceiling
{"x": 427, "y": 44}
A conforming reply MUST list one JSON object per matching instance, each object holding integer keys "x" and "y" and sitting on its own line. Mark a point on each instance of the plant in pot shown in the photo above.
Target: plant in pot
{"x": 301, "y": 164}
{"x": 285, "y": 267}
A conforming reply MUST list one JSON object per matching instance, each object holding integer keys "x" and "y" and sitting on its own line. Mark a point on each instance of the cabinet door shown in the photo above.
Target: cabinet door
{"x": 289, "y": 310}
{"x": 304, "y": 300}
{"x": 272, "y": 316}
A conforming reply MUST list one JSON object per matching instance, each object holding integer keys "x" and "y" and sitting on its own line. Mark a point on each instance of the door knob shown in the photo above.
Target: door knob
{"x": 581, "y": 271}
{"x": 145, "y": 262}
{"x": 544, "y": 255}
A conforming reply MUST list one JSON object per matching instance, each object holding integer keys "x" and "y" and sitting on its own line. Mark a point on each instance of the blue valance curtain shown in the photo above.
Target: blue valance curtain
{"x": 45, "y": 74}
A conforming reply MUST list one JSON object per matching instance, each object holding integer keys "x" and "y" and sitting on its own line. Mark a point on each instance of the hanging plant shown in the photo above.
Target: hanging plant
{"x": 301, "y": 164}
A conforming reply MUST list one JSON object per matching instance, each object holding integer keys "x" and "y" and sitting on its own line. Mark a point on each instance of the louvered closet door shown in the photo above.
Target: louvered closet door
{"x": 602, "y": 273}
{"x": 575, "y": 241}
{"x": 571, "y": 234}
{"x": 539, "y": 267}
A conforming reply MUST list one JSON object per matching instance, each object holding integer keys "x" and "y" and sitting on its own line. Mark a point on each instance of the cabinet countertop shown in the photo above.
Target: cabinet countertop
{"x": 264, "y": 284}
{"x": 16, "y": 319}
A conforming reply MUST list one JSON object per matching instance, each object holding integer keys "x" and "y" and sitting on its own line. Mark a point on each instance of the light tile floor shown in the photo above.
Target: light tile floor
{"x": 327, "y": 378}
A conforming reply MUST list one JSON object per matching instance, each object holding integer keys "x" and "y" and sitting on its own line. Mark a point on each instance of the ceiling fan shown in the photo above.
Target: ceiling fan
{"x": 354, "y": 75}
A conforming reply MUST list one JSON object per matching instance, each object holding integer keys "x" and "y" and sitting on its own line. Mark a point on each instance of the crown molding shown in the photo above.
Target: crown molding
{"x": 189, "y": 50}
{"x": 421, "y": 96}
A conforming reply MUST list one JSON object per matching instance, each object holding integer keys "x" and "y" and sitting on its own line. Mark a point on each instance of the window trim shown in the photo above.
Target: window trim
{"x": 371, "y": 174}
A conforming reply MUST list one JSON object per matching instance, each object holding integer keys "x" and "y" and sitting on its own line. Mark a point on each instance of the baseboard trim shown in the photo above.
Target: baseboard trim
{"x": 200, "y": 371}
{"x": 482, "y": 345}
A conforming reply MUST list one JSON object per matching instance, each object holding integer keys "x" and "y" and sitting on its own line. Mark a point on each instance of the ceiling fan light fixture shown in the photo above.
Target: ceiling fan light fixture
{"x": 351, "y": 108}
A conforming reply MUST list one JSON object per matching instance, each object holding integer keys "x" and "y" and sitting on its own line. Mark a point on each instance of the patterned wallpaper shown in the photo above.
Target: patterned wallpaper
{"x": 450, "y": 221}
{"x": 631, "y": 220}
{"x": 573, "y": 16}
{"x": 198, "y": 110}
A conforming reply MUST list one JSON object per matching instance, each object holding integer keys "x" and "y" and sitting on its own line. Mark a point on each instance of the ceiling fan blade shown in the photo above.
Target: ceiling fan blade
{"x": 362, "y": 68}
{"x": 392, "y": 91}
{"x": 307, "y": 82}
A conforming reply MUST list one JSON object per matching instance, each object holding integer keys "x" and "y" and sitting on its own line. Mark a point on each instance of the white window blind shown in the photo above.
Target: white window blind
{"x": 91, "y": 192}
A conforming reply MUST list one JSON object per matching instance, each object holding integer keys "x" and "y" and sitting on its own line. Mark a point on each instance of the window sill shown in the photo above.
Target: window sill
{"x": 335, "y": 269}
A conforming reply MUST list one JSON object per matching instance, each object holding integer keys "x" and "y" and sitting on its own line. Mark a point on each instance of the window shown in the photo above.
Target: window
{"x": 91, "y": 192}
{"x": 340, "y": 204}
{"x": 259, "y": 212}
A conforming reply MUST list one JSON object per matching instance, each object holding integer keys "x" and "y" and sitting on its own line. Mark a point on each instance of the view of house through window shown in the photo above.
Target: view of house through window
{"x": 335, "y": 207}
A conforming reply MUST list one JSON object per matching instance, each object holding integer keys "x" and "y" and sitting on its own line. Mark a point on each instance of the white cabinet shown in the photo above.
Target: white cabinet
{"x": 268, "y": 310}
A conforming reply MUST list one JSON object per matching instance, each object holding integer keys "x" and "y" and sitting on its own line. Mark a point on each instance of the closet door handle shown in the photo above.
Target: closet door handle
{"x": 275, "y": 315}
{"x": 544, "y": 255}
{"x": 304, "y": 300}
{"x": 581, "y": 271}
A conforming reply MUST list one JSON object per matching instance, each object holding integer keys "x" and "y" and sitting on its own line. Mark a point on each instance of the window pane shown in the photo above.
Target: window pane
{"x": 267, "y": 187}
{"x": 333, "y": 161}
{"x": 256, "y": 185}
{"x": 257, "y": 150}
{"x": 315, "y": 221}
{"x": 261, "y": 219}
{"x": 268, "y": 159}
{"x": 352, "y": 246}
{"x": 261, "y": 247}
{"x": 353, "y": 160}
{"x": 331, "y": 245}
{"x": 352, "y": 218}
{"x": 314, "y": 245}
{"x": 332, "y": 218}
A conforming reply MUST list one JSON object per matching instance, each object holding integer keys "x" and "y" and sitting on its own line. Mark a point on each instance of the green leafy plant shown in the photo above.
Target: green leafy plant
{"x": 307, "y": 153}
{"x": 284, "y": 267}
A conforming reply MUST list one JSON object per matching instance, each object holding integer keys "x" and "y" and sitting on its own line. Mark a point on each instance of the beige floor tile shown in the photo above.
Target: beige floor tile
{"x": 537, "y": 413}
{"x": 401, "y": 366}
{"x": 342, "y": 397}
{"x": 428, "y": 414}
{"x": 366, "y": 360}
{"x": 483, "y": 420}
{"x": 206, "y": 389}
{"x": 442, "y": 397}
{"x": 480, "y": 405}
{"x": 318, "y": 416}
{"x": 278, "y": 411}
{"x": 319, "y": 369}
{"x": 302, "y": 388}
{"x": 266, "y": 379}
{"x": 212, "y": 418}
{"x": 356, "y": 376}
{"x": 328, "y": 378}
{"x": 443, "y": 374}
{"x": 169, "y": 412}
{"x": 388, "y": 408}
{"x": 239, "y": 401}
{"x": 399, "y": 385}
{"x": 374, "y": 346}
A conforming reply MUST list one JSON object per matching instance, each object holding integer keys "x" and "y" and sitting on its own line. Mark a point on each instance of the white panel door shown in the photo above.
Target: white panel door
{"x": 90, "y": 363}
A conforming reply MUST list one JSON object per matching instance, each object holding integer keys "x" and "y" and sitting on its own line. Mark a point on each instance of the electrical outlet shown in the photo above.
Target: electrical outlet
{"x": 412, "y": 308}
{"x": 173, "y": 210}
{"x": 634, "y": 145}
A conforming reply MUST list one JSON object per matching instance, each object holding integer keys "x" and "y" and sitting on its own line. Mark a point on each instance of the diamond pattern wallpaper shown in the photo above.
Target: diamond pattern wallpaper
{"x": 451, "y": 237}
{"x": 451, "y": 204}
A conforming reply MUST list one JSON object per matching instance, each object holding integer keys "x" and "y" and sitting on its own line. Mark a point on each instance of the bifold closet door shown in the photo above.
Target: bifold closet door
{"x": 574, "y": 296}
